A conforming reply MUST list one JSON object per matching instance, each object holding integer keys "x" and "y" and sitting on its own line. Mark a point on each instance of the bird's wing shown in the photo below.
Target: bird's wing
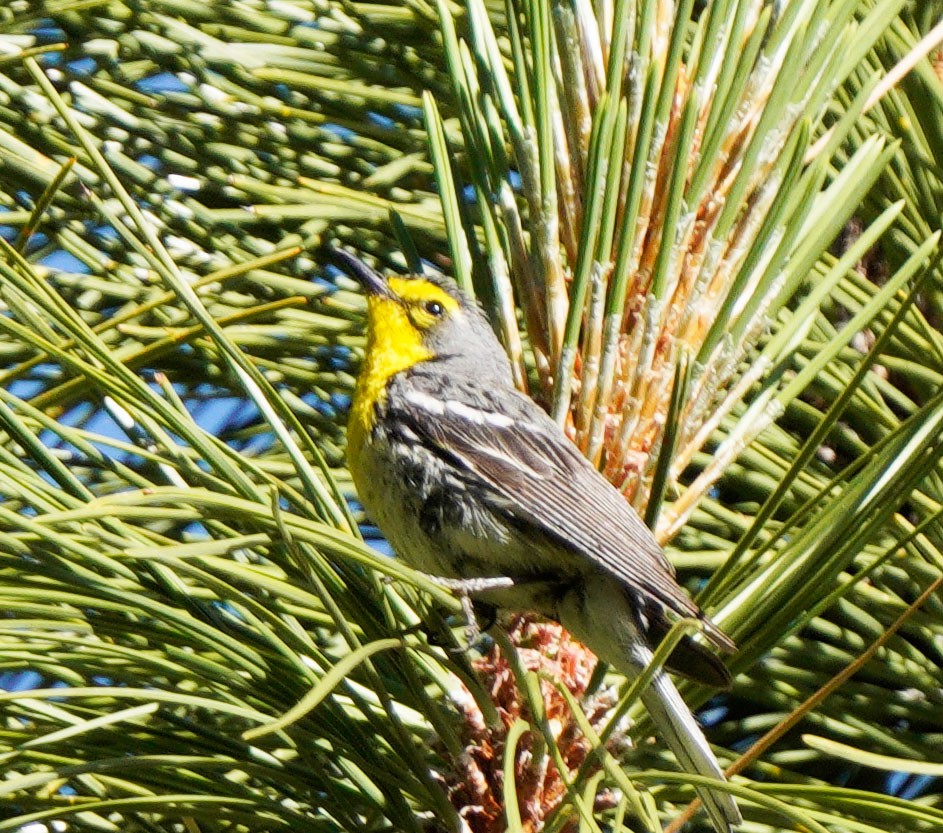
{"x": 539, "y": 478}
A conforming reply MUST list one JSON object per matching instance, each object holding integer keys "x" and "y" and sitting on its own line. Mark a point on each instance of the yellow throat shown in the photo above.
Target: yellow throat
{"x": 393, "y": 345}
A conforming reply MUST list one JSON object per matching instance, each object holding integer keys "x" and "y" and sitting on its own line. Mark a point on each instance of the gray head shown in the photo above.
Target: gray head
{"x": 434, "y": 318}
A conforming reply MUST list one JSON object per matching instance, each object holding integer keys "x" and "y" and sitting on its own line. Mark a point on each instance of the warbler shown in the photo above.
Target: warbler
{"x": 472, "y": 482}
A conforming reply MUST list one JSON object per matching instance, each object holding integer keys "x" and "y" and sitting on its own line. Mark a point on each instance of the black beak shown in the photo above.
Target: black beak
{"x": 372, "y": 282}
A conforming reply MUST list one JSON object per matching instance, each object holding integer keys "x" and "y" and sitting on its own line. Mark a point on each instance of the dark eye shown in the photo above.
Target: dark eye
{"x": 434, "y": 308}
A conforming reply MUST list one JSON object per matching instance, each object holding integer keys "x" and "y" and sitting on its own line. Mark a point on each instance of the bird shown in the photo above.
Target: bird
{"x": 471, "y": 482}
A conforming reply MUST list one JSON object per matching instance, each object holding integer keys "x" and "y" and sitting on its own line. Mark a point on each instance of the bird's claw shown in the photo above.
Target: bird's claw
{"x": 465, "y": 587}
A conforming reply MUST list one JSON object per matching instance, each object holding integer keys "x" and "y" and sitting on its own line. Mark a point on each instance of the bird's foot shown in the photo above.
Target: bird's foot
{"x": 465, "y": 587}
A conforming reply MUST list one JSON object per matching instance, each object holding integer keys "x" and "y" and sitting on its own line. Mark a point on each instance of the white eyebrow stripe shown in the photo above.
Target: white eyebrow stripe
{"x": 441, "y": 407}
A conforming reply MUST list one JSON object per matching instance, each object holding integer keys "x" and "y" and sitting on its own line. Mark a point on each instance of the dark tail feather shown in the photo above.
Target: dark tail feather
{"x": 696, "y": 662}
{"x": 600, "y": 613}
